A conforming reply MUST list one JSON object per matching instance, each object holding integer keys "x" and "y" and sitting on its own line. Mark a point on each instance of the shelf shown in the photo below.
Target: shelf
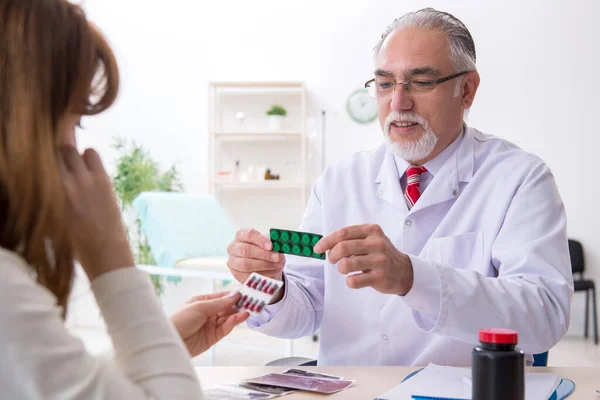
{"x": 245, "y": 136}
{"x": 296, "y": 85}
{"x": 275, "y": 184}
{"x": 240, "y": 88}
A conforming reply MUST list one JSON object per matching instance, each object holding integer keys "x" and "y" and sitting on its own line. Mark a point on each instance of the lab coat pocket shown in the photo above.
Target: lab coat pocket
{"x": 461, "y": 251}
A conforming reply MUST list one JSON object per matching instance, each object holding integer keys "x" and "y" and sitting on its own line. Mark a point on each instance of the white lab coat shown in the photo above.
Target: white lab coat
{"x": 488, "y": 244}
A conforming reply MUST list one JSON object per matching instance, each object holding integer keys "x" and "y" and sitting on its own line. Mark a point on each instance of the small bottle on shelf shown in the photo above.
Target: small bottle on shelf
{"x": 236, "y": 171}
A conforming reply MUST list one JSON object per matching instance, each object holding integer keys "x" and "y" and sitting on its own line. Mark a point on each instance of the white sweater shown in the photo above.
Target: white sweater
{"x": 39, "y": 359}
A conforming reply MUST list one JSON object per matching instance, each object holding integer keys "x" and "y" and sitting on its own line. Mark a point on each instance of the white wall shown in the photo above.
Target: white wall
{"x": 538, "y": 59}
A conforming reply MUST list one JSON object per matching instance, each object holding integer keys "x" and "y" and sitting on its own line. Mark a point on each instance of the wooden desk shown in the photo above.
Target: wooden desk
{"x": 374, "y": 381}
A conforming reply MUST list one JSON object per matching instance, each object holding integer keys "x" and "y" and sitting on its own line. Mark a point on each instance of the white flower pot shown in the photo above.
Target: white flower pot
{"x": 276, "y": 123}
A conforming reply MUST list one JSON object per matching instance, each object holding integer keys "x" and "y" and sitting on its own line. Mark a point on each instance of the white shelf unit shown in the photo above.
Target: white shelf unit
{"x": 276, "y": 184}
{"x": 251, "y": 200}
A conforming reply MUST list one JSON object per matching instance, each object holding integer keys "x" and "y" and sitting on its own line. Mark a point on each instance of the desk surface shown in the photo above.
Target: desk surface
{"x": 374, "y": 381}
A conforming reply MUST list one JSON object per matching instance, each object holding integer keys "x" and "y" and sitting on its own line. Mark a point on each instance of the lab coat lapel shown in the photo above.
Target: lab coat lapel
{"x": 388, "y": 183}
{"x": 445, "y": 185}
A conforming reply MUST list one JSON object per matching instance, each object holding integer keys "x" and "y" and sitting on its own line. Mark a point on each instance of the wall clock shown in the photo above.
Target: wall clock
{"x": 361, "y": 107}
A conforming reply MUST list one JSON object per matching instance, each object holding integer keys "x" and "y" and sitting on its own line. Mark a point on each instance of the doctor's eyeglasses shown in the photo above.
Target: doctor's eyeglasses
{"x": 383, "y": 86}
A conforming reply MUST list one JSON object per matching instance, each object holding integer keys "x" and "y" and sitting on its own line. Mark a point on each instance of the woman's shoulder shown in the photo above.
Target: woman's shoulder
{"x": 18, "y": 287}
{"x": 10, "y": 261}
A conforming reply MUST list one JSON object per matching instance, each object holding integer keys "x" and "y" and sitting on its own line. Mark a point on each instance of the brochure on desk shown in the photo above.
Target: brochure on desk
{"x": 453, "y": 383}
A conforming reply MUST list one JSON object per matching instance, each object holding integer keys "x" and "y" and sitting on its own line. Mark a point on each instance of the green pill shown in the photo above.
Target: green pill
{"x": 274, "y": 234}
{"x": 297, "y": 243}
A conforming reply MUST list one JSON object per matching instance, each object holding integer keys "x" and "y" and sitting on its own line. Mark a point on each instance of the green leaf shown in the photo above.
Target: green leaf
{"x": 137, "y": 172}
{"x": 277, "y": 109}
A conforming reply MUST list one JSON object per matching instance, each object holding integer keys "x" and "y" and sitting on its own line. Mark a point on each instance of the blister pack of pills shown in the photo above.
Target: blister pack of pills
{"x": 256, "y": 293}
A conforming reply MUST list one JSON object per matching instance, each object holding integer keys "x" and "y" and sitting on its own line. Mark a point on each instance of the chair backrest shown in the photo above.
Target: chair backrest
{"x": 183, "y": 225}
{"x": 576, "y": 253}
{"x": 540, "y": 360}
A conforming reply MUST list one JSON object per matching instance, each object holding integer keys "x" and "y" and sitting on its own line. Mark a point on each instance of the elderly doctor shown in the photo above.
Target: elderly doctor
{"x": 439, "y": 232}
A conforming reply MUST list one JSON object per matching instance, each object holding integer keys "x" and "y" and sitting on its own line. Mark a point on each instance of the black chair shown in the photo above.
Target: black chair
{"x": 578, "y": 266}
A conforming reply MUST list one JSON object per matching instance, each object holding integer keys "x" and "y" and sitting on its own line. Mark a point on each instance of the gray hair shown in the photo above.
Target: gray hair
{"x": 462, "y": 46}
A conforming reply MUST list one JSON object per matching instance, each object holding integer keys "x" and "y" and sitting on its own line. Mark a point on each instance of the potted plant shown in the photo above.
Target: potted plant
{"x": 137, "y": 172}
{"x": 276, "y": 115}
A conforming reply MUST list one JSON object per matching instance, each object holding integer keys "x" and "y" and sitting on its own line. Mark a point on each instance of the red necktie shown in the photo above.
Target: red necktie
{"x": 413, "y": 177}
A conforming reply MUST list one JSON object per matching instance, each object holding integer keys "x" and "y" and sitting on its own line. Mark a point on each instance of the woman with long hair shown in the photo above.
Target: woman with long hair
{"x": 57, "y": 206}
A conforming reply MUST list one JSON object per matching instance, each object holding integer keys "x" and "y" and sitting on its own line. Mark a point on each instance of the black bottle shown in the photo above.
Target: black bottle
{"x": 498, "y": 369}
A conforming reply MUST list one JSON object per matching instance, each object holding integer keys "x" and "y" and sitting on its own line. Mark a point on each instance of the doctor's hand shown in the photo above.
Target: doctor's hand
{"x": 367, "y": 250}
{"x": 204, "y": 320}
{"x": 251, "y": 251}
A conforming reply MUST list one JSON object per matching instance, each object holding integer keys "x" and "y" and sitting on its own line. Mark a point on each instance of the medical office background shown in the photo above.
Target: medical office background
{"x": 539, "y": 64}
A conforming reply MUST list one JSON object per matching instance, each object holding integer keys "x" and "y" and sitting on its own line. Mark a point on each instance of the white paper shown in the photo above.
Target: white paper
{"x": 451, "y": 382}
{"x": 433, "y": 381}
{"x": 536, "y": 384}
{"x": 233, "y": 392}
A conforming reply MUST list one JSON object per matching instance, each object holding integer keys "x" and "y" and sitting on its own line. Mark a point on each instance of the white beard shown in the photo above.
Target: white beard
{"x": 410, "y": 150}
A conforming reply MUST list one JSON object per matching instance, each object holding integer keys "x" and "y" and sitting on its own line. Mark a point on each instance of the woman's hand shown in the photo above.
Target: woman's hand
{"x": 206, "y": 319}
{"x": 95, "y": 225}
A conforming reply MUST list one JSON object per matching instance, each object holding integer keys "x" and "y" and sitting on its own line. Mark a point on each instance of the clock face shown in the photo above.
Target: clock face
{"x": 361, "y": 106}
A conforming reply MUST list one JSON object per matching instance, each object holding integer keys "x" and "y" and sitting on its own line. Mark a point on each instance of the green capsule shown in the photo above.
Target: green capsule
{"x": 295, "y": 237}
{"x": 297, "y": 243}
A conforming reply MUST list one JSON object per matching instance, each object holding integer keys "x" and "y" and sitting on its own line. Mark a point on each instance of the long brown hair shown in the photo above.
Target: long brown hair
{"x": 53, "y": 63}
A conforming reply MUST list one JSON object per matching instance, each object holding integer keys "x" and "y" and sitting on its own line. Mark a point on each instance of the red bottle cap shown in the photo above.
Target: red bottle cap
{"x": 498, "y": 336}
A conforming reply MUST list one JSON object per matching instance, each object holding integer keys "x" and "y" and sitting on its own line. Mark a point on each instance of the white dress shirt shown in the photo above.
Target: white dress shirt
{"x": 432, "y": 166}
{"x": 41, "y": 360}
{"x": 488, "y": 244}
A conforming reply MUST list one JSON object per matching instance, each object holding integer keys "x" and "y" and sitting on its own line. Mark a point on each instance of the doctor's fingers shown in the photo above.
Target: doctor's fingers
{"x": 249, "y": 265}
{"x": 248, "y": 250}
{"x": 365, "y": 279}
{"x": 362, "y": 263}
{"x": 357, "y": 247}
{"x": 348, "y": 233}
{"x": 242, "y": 277}
{"x": 255, "y": 237}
